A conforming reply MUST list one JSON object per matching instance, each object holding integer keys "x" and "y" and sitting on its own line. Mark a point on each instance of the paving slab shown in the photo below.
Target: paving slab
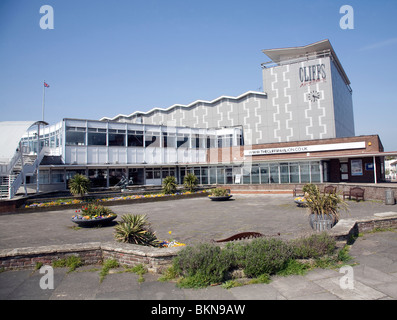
{"x": 257, "y": 292}
{"x": 76, "y": 286}
{"x": 295, "y": 287}
{"x": 359, "y": 291}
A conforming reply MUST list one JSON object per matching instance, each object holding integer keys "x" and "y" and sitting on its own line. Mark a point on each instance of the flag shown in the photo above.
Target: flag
{"x": 46, "y": 85}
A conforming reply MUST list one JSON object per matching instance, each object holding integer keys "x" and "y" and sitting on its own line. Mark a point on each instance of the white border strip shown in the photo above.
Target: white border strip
{"x": 312, "y": 148}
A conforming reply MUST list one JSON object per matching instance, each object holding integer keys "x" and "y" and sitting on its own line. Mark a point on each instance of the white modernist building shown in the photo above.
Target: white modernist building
{"x": 299, "y": 129}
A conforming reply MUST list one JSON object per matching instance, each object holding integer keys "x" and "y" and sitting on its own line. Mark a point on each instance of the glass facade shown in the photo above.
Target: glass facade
{"x": 263, "y": 173}
{"x": 87, "y": 133}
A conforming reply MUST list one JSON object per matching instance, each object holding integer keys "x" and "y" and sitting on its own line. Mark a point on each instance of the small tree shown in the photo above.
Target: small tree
{"x": 169, "y": 185}
{"x": 79, "y": 185}
{"x": 190, "y": 182}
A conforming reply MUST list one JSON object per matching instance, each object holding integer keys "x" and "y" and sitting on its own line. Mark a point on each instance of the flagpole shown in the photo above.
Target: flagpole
{"x": 43, "y": 100}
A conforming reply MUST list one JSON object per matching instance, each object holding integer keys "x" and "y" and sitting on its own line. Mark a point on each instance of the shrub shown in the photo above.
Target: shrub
{"x": 315, "y": 246}
{"x": 79, "y": 185}
{"x": 93, "y": 210}
{"x": 309, "y": 188}
{"x": 169, "y": 185}
{"x": 72, "y": 262}
{"x": 135, "y": 229}
{"x": 263, "y": 256}
{"x": 107, "y": 265}
{"x": 202, "y": 265}
{"x": 190, "y": 182}
{"x": 219, "y": 192}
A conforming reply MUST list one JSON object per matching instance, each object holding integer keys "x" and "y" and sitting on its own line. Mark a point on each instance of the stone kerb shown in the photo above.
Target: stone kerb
{"x": 109, "y": 203}
{"x": 129, "y": 255}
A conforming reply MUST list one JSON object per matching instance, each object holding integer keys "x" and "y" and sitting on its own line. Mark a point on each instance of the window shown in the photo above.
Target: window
{"x": 75, "y": 136}
{"x": 44, "y": 177}
{"x": 315, "y": 172}
{"x": 265, "y": 173}
{"x": 211, "y": 142}
{"x": 165, "y": 172}
{"x": 98, "y": 177}
{"x": 196, "y": 141}
{"x": 96, "y": 137}
{"x": 284, "y": 173}
{"x": 152, "y": 139}
{"x": 228, "y": 140}
{"x": 116, "y": 137}
{"x": 182, "y": 140}
{"x": 254, "y": 174}
{"x": 294, "y": 172}
{"x": 274, "y": 173}
{"x": 204, "y": 175}
{"x": 135, "y": 138}
{"x": 212, "y": 175}
{"x": 220, "y": 144}
{"x": 136, "y": 176}
{"x": 57, "y": 176}
{"x": 305, "y": 172}
{"x": 169, "y": 140}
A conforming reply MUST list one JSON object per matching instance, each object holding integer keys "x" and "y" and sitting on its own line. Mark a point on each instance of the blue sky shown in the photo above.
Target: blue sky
{"x": 107, "y": 57}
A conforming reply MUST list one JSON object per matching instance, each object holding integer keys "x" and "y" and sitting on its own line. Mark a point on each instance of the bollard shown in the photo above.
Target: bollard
{"x": 389, "y": 196}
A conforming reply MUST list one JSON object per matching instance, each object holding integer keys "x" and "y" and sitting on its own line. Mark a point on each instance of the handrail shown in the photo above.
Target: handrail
{"x": 26, "y": 169}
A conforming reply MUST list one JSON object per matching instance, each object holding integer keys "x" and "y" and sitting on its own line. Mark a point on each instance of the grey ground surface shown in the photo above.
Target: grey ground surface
{"x": 190, "y": 220}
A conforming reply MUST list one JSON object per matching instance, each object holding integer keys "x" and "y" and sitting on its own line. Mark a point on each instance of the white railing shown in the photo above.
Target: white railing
{"x": 16, "y": 181}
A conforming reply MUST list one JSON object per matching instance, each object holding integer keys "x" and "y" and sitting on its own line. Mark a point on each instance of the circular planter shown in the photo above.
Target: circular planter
{"x": 220, "y": 198}
{"x": 300, "y": 201}
{"x": 322, "y": 223}
{"x": 93, "y": 222}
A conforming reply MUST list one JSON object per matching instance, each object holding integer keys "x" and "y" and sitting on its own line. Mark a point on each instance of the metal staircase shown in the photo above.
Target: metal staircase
{"x": 13, "y": 175}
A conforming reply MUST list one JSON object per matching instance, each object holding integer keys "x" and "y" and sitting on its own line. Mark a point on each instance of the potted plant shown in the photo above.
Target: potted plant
{"x": 220, "y": 194}
{"x": 93, "y": 215}
{"x": 323, "y": 208}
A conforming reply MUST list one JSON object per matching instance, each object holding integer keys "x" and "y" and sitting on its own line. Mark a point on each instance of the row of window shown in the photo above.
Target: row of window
{"x": 292, "y": 172}
{"x": 100, "y": 137}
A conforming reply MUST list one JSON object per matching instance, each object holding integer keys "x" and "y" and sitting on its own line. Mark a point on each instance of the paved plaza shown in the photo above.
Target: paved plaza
{"x": 190, "y": 220}
{"x": 199, "y": 219}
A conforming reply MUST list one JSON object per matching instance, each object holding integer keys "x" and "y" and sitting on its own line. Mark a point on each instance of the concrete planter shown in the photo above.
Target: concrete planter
{"x": 220, "y": 198}
{"x": 93, "y": 222}
{"x": 322, "y": 223}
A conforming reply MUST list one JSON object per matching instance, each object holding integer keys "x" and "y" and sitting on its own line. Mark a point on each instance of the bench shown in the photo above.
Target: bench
{"x": 330, "y": 189}
{"x": 355, "y": 192}
{"x": 298, "y": 191}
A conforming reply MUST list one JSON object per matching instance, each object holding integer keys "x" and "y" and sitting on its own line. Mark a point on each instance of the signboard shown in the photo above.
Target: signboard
{"x": 312, "y": 148}
{"x": 356, "y": 167}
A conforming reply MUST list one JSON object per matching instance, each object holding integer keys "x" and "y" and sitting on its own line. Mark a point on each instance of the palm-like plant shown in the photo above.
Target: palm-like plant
{"x": 79, "y": 185}
{"x": 190, "y": 182}
{"x": 322, "y": 204}
{"x": 135, "y": 229}
{"x": 169, "y": 185}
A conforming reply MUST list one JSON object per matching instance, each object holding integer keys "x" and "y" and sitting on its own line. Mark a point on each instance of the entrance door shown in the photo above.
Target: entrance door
{"x": 344, "y": 171}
